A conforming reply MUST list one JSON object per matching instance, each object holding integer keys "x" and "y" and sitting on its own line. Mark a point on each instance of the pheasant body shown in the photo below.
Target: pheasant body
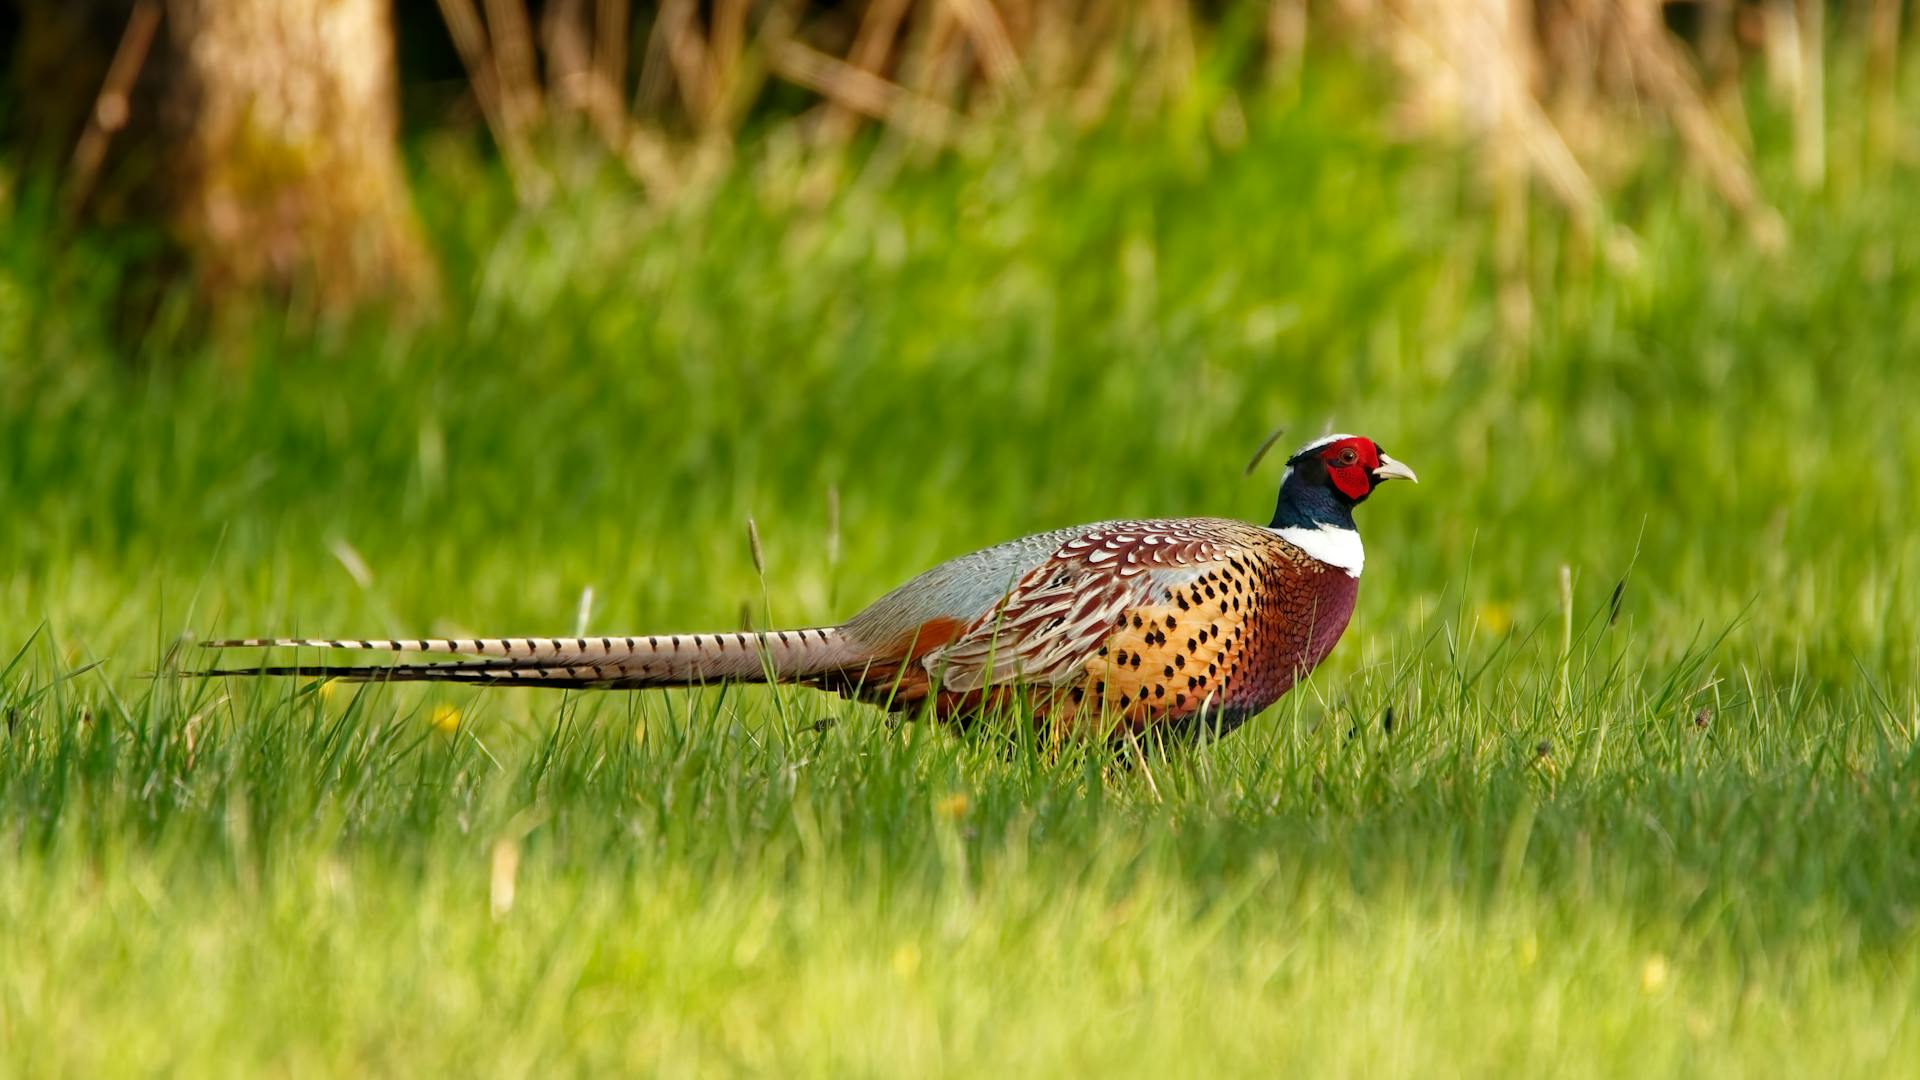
{"x": 1137, "y": 623}
{"x": 1178, "y": 624}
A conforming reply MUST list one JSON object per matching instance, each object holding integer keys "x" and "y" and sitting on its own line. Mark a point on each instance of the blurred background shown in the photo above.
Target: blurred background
{"x": 278, "y": 146}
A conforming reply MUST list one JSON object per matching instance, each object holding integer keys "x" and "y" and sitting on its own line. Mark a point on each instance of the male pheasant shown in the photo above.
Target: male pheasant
{"x": 1119, "y": 626}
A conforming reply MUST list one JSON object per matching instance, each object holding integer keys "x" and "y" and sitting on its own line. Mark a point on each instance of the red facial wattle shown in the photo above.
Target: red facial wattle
{"x": 1352, "y": 481}
{"x": 1350, "y": 465}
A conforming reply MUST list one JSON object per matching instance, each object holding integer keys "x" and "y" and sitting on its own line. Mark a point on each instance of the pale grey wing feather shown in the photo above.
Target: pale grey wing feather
{"x": 963, "y": 589}
{"x": 1052, "y": 630}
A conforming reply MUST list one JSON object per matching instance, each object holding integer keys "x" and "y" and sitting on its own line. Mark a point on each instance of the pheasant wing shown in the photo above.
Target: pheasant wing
{"x": 1088, "y": 596}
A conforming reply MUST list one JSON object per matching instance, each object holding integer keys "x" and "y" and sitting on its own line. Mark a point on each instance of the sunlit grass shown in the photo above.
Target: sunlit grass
{"x": 1670, "y": 830}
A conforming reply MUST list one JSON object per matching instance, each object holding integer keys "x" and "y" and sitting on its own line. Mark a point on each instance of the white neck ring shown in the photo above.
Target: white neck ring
{"x": 1329, "y": 544}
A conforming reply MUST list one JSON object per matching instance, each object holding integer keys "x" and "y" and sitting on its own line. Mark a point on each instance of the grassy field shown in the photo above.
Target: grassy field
{"x": 1670, "y": 830}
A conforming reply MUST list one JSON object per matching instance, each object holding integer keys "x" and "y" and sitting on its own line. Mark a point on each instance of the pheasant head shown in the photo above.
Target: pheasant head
{"x": 1325, "y": 480}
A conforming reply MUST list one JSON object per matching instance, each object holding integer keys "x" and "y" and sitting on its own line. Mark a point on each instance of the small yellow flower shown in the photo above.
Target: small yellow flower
{"x": 953, "y": 807}
{"x": 445, "y": 719}
{"x": 906, "y": 959}
{"x": 1494, "y": 617}
{"x": 1653, "y": 974}
{"x": 328, "y": 689}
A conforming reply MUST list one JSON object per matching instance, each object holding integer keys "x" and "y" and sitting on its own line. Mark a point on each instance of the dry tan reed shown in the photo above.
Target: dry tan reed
{"x": 1552, "y": 90}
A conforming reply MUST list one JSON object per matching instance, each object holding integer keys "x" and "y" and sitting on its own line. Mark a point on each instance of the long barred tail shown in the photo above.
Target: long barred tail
{"x": 623, "y": 663}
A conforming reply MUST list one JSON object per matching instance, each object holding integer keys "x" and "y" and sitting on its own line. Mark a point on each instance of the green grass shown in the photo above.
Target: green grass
{"x": 1686, "y": 842}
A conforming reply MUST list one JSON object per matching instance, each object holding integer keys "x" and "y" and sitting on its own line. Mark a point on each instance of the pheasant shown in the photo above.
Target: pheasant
{"x": 1174, "y": 624}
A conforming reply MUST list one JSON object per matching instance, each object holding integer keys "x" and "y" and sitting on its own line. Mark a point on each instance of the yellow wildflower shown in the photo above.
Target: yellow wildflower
{"x": 906, "y": 959}
{"x": 1653, "y": 975}
{"x": 1495, "y": 618}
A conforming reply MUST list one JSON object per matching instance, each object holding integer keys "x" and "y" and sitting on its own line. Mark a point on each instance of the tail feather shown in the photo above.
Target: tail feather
{"x": 585, "y": 662}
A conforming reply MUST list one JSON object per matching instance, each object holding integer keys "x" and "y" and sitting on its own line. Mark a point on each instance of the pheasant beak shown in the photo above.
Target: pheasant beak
{"x": 1389, "y": 469}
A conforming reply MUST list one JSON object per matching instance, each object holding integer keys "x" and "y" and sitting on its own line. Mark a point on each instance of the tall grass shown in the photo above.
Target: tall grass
{"x": 1678, "y": 838}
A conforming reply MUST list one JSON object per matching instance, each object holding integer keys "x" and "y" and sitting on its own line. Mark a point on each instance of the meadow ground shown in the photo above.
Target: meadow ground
{"x": 1673, "y": 833}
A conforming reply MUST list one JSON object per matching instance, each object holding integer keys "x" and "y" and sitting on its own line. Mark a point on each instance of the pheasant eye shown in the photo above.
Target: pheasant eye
{"x": 1349, "y": 456}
